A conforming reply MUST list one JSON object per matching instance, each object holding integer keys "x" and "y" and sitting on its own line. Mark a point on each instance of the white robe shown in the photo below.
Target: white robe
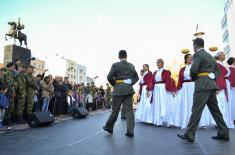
{"x": 144, "y": 108}
{"x": 163, "y": 103}
{"x": 184, "y": 102}
{"x": 223, "y": 104}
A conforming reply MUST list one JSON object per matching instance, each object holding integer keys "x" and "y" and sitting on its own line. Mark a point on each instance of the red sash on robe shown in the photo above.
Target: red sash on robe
{"x": 148, "y": 78}
{"x": 220, "y": 80}
{"x": 181, "y": 78}
{"x": 232, "y": 76}
{"x": 166, "y": 78}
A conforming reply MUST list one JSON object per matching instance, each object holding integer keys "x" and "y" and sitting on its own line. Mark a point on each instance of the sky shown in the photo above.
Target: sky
{"x": 91, "y": 32}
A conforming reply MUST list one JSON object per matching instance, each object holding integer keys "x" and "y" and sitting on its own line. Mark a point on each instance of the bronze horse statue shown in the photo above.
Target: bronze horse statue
{"x": 15, "y": 32}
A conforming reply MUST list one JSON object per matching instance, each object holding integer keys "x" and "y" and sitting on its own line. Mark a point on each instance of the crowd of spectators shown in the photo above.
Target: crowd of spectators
{"x": 21, "y": 94}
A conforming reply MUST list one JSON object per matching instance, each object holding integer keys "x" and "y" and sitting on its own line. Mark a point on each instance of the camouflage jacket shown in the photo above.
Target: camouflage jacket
{"x": 21, "y": 84}
{"x": 31, "y": 85}
{"x": 108, "y": 91}
{"x": 88, "y": 89}
{"x": 93, "y": 91}
{"x": 8, "y": 79}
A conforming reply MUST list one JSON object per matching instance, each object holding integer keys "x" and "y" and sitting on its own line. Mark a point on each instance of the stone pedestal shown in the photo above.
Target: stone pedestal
{"x": 13, "y": 51}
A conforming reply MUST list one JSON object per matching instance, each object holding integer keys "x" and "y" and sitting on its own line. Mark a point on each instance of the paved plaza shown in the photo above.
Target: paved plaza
{"x": 85, "y": 137}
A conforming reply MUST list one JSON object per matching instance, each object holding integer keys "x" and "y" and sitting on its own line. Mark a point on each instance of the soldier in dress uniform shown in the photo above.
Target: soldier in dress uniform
{"x": 122, "y": 77}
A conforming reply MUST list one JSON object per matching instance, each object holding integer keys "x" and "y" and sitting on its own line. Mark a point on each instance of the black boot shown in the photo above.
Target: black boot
{"x": 8, "y": 122}
{"x": 29, "y": 118}
{"x": 20, "y": 120}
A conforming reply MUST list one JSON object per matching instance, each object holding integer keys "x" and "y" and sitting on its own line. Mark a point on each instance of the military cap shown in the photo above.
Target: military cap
{"x": 10, "y": 64}
{"x": 30, "y": 66}
{"x": 22, "y": 65}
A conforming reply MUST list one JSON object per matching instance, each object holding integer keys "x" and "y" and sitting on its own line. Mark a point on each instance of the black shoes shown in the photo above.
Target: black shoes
{"x": 20, "y": 120}
{"x": 220, "y": 138}
{"x": 105, "y": 128}
{"x": 123, "y": 118}
{"x": 129, "y": 134}
{"x": 185, "y": 138}
{"x": 108, "y": 129}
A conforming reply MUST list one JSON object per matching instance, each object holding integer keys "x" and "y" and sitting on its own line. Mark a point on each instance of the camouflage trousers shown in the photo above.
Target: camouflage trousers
{"x": 20, "y": 105}
{"x": 29, "y": 104}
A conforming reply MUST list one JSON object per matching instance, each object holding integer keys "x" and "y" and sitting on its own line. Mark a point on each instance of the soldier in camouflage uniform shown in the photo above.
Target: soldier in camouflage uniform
{"x": 94, "y": 95}
{"x": 1, "y": 75}
{"x": 31, "y": 87}
{"x": 108, "y": 96}
{"x": 8, "y": 79}
{"x": 87, "y": 90}
{"x": 21, "y": 94}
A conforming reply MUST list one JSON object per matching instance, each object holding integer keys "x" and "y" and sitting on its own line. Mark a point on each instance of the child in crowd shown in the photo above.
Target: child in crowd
{"x": 3, "y": 103}
{"x": 71, "y": 101}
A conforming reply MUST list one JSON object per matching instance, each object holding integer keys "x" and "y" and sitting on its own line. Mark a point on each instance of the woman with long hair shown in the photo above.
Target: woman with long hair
{"x": 143, "y": 113}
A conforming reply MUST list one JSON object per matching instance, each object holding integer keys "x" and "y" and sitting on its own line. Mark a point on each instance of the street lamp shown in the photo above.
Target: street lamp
{"x": 185, "y": 51}
{"x": 199, "y": 33}
{"x": 213, "y": 48}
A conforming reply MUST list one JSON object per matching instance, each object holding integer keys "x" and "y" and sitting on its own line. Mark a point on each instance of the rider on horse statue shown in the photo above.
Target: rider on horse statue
{"x": 15, "y": 32}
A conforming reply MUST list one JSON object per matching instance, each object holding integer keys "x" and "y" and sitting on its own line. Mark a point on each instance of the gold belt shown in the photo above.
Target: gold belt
{"x": 119, "y": 81}
{"x": 202, "y": 74}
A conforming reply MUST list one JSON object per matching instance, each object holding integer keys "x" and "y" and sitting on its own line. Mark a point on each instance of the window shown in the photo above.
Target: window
{"x": 227, "y": 49}
{"x": 225, "y": 36}
{"x": 224, "y": 22}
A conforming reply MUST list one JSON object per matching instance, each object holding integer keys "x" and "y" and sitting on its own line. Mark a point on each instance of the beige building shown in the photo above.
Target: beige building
{"x": 71, "y": 71}
{"x": 81, "y": 74}
{"x": 39, "y": 66}
{"x": 89, "y": 80}
{"x": 228, "y": 28}
{"x": 1, "y": 65}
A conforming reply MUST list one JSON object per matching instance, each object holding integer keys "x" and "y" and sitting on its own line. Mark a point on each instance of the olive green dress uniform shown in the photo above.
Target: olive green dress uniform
{"x": 122, "y": 93}
{"x": 205, "y": 94}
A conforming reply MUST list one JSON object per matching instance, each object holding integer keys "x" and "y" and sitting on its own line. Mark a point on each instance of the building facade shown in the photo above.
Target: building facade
{"x": 39, "y": 66}
{"x": 89, "y": 80}
{"x": 228, "y": 28}
{"x": 1, "y": 65}
{"x": 71, "y": 71}
{"x": 81, "y": 74}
